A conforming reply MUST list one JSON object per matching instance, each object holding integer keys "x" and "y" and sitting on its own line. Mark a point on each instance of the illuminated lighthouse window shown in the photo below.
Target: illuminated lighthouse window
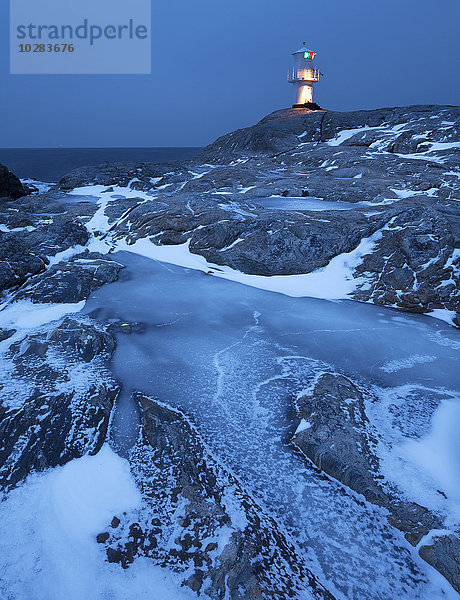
{"x": 309, "y": 55}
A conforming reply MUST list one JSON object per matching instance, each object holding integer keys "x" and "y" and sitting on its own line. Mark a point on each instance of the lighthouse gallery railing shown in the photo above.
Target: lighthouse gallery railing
{"x": 303, "y": 75}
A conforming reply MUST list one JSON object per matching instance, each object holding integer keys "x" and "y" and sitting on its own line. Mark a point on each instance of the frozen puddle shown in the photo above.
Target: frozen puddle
{"x": 233, "y": 357}
{"x": 310, "y": 203}
{"x": 76, "y": 198}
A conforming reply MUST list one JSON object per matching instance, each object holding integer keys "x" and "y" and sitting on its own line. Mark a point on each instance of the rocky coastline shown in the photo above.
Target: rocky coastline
{"x": 247, "y": 204}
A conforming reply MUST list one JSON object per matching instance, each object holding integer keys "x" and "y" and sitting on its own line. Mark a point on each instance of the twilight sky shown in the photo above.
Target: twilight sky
{"x": 233, "y": 57}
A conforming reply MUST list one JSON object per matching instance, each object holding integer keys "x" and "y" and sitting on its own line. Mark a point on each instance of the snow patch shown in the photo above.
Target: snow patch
{"x": 436, "y": 458}
{"x": 393, "y": 366}
{"x": 333, "y": 282}
{"x": 230, "y": 246}
{"x": 26, "y": 315}
{"x": 303, "y": 425}
{"x": 100, "y": 191}
{"x": 443, "y": 315}
{"x": 65, "y": 254}
{"x": 418, "y": 445}
{"x": 439, "y": 146}
{"x": 42, "y": 186}
{"x": 5, "y": 229}
{"x": 345, "y": 134}
{"x": 48, "y": 545}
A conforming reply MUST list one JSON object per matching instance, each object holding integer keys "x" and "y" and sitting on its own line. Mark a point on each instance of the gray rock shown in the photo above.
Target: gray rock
{"x": 126, "y": 328}
{"x": 443, "y": 554}
{"x": 56, "y": 397}
{"x": 413, "y": 266}
{"x": 84, "y": 341}
{"x": 337, "y": 438}
{"x": 272, "y": 242}
{"x": 71, "y": 281}
{"x": 17, "y": 262}
{"x": 63, "y": 233}
{"x": 334, "y": 440}
{"x": 24, "y": 254}
{"x": 121, "y": 174}
{"x": 10, "y": 185}
{"x": 280, "y": 131}
{"x": 275, "y": 134}
{"x": 5, "y": 334}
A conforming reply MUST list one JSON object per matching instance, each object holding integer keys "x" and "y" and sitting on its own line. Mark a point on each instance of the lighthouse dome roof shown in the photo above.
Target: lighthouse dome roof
{"x": 303, "y": 49}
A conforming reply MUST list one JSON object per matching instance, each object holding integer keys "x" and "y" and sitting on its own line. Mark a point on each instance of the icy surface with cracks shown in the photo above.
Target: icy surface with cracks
{"x": 314, "y": 204}
{"x": 233, "y": 358}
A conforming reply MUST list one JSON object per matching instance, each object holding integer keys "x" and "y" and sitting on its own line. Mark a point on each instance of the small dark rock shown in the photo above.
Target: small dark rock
{"x": 210, "y": 547}
{"x": 115, "y": 522}
{"x": 6, "y": 333}
{"x": 126, "y": 328}
{"x": 195, "y": 581}
{"x": 114, "y": 555}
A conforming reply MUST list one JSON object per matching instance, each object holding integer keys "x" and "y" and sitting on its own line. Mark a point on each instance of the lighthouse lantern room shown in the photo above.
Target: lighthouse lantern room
{"x": 303, "y": 75}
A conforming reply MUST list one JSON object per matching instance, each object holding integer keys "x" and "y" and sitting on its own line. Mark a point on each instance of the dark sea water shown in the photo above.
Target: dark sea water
{"x": 50, "y": 164}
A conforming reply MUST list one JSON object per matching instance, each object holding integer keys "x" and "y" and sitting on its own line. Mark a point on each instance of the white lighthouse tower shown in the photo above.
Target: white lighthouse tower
{"x": 303, "y": 75}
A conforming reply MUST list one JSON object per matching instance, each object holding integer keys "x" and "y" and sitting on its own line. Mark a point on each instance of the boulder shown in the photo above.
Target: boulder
{"x": 443, "y": 554}
{"x": 71, "y": 281}
{"x": 10, "y": 186}
{"x": 57, "y": 397}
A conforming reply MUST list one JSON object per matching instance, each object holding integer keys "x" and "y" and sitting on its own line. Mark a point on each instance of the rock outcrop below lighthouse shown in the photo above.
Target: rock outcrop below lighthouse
{"x": 388, "y": 185}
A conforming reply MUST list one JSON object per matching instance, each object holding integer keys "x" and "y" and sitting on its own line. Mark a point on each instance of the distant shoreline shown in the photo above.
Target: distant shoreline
{"x": 50, "y": 164}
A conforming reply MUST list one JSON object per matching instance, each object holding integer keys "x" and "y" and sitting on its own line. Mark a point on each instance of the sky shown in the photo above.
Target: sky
{"x": 233, "y": 59}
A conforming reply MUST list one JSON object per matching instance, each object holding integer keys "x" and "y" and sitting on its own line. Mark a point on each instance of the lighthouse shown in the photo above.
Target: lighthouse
{"x": 303, "y": 75}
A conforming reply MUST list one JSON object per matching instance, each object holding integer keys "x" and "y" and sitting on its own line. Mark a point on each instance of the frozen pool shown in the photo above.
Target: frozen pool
{"x": 311, "y": 203}
{"x": 233, "y": 357}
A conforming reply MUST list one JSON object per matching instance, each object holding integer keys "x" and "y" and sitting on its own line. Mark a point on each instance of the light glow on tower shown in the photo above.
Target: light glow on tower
{"x": 303, "y": 75}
